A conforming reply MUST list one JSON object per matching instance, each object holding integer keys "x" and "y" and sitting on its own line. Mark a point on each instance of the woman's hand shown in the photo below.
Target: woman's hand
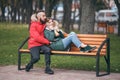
{"x": 56, "y": 33}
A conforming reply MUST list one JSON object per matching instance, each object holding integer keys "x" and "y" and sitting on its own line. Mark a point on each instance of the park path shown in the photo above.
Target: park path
{"x": 11, "y": 73}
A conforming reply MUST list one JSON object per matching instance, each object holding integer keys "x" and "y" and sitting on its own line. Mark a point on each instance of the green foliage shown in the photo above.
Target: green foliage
{"x": 11, "y": 36}
{"x": 100, "y": 5}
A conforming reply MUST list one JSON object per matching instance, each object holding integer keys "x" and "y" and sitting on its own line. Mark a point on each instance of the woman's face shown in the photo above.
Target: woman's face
{"x": 50, "y": 22}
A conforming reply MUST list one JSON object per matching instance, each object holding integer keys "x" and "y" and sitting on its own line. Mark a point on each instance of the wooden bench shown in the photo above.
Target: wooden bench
{"x": 102, "y": 42}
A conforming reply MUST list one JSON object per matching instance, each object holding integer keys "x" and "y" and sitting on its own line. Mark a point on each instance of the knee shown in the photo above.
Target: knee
{"x": 48, "y": 50}
{"x": 35, "y": 59}
{"x": 72, "y": 33}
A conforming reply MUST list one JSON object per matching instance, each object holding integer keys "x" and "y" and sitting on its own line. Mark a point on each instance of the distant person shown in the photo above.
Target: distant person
{"x": 59, "y": 42}
{"x": 37, "y": 42}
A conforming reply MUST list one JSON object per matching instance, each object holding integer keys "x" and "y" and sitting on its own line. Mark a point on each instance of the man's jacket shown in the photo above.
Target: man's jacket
{"x": 36, "y": 33}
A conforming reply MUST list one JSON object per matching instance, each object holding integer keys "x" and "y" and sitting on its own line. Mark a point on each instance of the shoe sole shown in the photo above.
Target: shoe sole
{"x": 49, "y": 73}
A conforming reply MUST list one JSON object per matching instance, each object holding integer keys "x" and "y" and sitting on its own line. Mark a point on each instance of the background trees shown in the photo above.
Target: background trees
{"x": 117, "y": 2}
{"x": 75, "y": 13}
{"x": 87, "y": 16}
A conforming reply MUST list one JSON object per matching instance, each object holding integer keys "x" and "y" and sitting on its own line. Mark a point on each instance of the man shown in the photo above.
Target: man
{"x": 38, "y": 42}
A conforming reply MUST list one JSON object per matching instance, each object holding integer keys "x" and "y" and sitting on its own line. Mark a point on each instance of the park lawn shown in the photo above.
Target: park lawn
{"x": 11, "y": 36}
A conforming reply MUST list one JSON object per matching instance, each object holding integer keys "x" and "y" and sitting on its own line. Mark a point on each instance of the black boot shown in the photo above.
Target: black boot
{"x": 28, "y": 67}
{"x": 49, "y": 71}
{"x": 47, "y": 60}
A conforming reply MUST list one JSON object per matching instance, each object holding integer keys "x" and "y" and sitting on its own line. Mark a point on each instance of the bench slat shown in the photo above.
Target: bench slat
{"x": 76, "y": 53}
{"x": 92, "y": 39}
{"x": 66, "y": 52}
{"x": 92, "y": 43}
{"x": 92, "y": 36}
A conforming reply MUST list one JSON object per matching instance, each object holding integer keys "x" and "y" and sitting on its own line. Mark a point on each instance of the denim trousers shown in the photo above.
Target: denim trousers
{"x": 71, "y": 38}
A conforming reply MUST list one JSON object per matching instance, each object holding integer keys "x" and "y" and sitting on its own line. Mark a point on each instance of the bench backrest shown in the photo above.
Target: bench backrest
{"x": 93, "y": 40}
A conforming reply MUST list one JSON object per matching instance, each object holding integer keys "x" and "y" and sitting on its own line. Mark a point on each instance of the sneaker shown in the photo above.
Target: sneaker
{"x": 82, "y": 49}
{"x": 87, "y": 48}
{"x": 92, "y": 48}
{"x": 49, "y": 71}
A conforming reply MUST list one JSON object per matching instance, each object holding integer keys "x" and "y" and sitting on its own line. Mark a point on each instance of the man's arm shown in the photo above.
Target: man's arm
{"x": 36, "y": 36}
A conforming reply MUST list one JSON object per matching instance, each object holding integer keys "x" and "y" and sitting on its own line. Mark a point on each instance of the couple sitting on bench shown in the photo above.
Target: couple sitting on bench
{"x": 44, "y": 36}
{"x": 57, "y": 39}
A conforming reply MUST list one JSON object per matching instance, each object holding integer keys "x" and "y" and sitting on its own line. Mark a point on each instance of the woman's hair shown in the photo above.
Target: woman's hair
{"x": 55, "y": 23}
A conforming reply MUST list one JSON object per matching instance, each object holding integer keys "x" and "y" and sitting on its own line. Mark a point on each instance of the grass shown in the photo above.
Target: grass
{"x": 11, "y": 36}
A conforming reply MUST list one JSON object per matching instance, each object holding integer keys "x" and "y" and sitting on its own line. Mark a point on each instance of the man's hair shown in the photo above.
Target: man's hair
{"x": 38, "y": 12}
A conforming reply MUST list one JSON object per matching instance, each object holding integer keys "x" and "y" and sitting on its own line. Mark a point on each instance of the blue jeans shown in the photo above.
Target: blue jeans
{"x": 71, "y": 38}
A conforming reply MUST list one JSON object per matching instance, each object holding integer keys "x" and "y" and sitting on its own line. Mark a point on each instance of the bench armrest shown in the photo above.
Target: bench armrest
{"x": 101, "y": 46}
{"x": 23, "y": 43}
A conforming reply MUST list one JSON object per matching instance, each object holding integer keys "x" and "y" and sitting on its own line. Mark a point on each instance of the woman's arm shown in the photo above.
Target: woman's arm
{"x": 49, "y": 35}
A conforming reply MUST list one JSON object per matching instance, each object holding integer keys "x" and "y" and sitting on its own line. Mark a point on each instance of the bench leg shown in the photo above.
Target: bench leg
{"x": 107, "y": 60}
{"x": 97, "y": 65}
{"x": 19, "y": 61}
{"x": 108, "y": 55}
{"x": 108, "y": 64}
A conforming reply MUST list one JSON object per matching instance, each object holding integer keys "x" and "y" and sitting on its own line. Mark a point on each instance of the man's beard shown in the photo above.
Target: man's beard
{"x": 43, "y": 22}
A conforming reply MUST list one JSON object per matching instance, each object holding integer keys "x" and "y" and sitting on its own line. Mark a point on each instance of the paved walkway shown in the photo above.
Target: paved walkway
{"x": 11, "y": 73}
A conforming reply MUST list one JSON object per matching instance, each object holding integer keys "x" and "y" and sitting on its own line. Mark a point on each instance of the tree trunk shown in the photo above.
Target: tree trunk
{"x": 29, "y": 10}
{"x": 14, "y": 11}
{"x": 40, "y": 4}
{"x": 18, "y": 10}
{"x": 118, "y": 6}
{"x": 23, "y": 3}
{"x": 87, "y": 16}
{"x": 2, "y": 5}
{"x": 80, "y": 12}
{"x": 49, "y": 6}
{"x": 67, "y": 15}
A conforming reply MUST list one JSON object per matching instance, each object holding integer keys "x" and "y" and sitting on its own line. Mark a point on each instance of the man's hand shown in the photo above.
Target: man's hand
{"x": 50, "y": 42}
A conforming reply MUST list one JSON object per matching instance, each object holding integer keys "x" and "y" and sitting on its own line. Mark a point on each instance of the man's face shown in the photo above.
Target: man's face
{"x": 42, "y": 17}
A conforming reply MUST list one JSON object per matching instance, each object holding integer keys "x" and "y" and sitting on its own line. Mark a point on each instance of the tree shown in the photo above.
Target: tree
{"x": 117, "y": 2}
{"x": 100, "y": 4}
{"x": 29, "y": 10}
{"x": 2, "y": 5}
{"x": 49, "y": 5}
{"x": 40, "y": 4}
{"x": 87, "y": 16}
{"x": 67, "y": 15}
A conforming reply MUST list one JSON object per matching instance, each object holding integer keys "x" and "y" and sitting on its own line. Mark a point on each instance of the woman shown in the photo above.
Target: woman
{"x": 58, "y": 42}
